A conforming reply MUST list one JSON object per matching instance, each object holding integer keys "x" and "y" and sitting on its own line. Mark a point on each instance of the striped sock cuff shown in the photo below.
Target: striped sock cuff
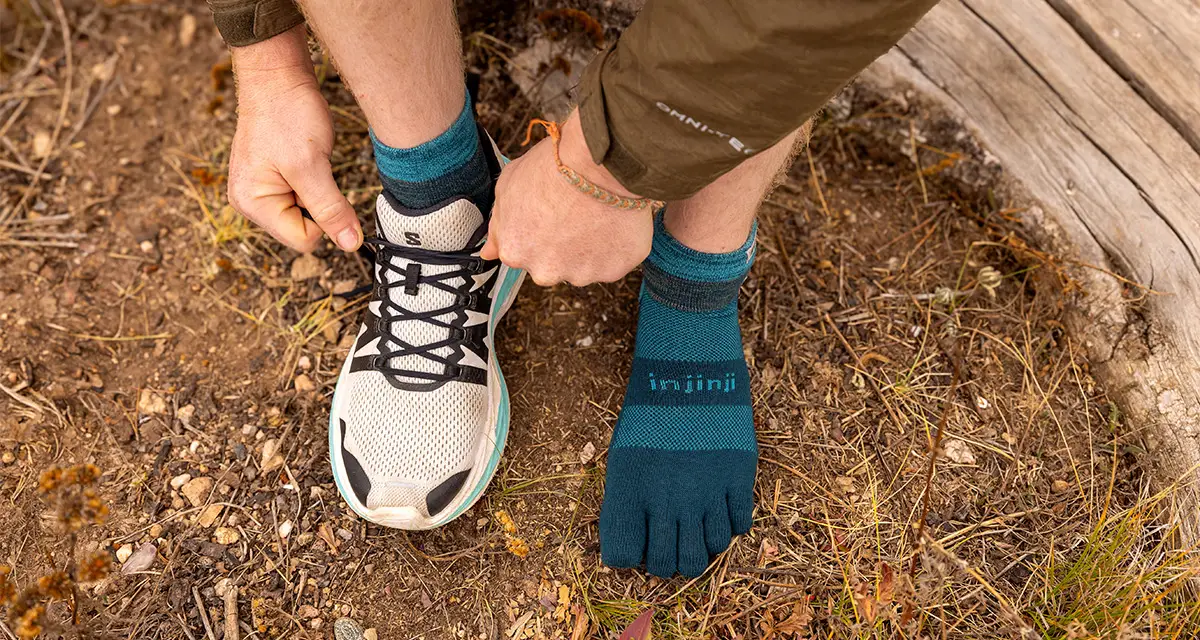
{"x": 690, "y": 280}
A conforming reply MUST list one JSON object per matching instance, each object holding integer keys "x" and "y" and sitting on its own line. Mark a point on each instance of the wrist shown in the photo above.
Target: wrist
{"x": 575, "y": 154}
{"x": 283, "y": 59}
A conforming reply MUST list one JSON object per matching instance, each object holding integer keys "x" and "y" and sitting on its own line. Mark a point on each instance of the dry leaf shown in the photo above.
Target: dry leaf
{"x": 506, "y": 522}
{"x": 640, "y": 629}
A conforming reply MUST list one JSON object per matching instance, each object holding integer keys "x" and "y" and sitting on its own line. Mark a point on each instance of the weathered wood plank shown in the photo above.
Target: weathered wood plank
{"x": 1155, "y": 45}
{"x": 1117, "y": 186}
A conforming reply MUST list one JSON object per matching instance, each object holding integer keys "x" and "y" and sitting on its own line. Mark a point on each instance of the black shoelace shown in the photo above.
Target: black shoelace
{"x": 410, "y": 280}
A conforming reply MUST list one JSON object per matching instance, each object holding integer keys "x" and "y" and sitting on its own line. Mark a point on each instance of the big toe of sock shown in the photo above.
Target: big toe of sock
{"x": 622, "y": 533}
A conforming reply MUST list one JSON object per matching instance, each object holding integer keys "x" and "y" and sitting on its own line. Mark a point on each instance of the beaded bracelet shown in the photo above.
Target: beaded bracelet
{"x": 585, "y": 186}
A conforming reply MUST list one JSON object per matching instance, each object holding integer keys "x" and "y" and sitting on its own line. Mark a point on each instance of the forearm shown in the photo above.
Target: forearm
{"x": 245, "y": 22}
{"x": 694, "y": 88}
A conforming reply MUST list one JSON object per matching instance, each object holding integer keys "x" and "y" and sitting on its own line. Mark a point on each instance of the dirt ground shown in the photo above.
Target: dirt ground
{"x": 146, "y": 328}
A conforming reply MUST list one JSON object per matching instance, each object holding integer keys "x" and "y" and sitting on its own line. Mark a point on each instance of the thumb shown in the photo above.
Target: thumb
{"x": 315, "y": 187}
{"x": 491, "y": 248}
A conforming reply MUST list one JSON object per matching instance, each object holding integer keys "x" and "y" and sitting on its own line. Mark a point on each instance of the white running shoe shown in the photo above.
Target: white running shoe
{"x": 420, "y": 411}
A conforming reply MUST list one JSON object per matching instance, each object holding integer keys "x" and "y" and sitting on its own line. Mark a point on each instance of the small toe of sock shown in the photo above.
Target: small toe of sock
{"x": 693, "y": 551}
{"x": 741, "y": 510}
{"x": 717, "y": 530}
{"x": 662, "y": 550}
{"x": 622, "y": 536}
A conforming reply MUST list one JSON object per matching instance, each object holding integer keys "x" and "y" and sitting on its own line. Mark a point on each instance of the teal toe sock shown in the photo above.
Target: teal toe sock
{"x": 680, "y": 480}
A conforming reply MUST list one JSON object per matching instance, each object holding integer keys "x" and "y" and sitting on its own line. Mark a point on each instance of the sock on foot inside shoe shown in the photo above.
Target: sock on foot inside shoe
{"x": 681, "y": 465}
{"x": 452, "y": 164}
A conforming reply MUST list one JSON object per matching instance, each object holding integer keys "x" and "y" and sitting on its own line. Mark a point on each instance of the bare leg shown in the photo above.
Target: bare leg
{"x": 402, "y": 61}
{"x": 718, "y": 218}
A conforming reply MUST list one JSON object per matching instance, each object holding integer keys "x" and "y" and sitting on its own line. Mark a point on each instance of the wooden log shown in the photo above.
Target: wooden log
{"x": 1116, "y": 187}
{"x": 1153, "y": 45}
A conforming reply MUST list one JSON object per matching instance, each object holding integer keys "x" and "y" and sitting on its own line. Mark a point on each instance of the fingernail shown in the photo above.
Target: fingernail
{"x": 348, "y": 239}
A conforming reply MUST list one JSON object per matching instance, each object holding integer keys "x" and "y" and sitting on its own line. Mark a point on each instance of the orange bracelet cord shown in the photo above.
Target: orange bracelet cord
{"x": 585, "y": 186}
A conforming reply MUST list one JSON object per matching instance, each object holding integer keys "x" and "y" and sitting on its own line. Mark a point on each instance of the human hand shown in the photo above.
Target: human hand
{"x": 279, "y": 161}
{"x": 543, "y": 225}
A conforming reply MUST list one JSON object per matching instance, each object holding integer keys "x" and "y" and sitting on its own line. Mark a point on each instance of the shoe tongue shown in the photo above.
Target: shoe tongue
{"x": 449, "y": 228}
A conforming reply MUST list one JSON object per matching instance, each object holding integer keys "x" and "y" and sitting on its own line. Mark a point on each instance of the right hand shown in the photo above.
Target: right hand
{"x": 279, "y": 161}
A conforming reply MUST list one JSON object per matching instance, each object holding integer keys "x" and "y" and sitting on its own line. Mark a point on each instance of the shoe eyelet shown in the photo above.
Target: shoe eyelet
{"x": 377, "y": 362}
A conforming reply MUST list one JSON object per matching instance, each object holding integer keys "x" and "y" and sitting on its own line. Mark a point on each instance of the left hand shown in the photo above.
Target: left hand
{"x": 542, "y": 224}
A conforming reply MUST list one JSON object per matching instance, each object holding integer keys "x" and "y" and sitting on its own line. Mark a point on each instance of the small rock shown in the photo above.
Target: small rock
{"x": 958, "y": 451}
{"x": 113, "y": 109}
{"x": 588, "y": 452}
{"x": 1060, "y": 486}
{"x": 156, "y": 530}
{"x": 285, "y": 529}
{"x": 209, "y": 516}
{"x": 347, "y": 629}
{"x": 124, "y": 552}
{"x": 212, "y": 549}
{"x": 141, "y": 560}
{"x": 7, "y": 457}
{"x": 151, "y": 403}
{"x": 304, "y": 363}
{"x": 307, "y": 267}
{"x": 187, "y": 30}
{"x": 146, "y": 246}
{"x": 185, "y": 414}
{"x": 225, "y": 535}
{"x": 371, "y": 634}
{"x": 304, "y": 384}
{"x": 307, "y": 611}
{"x": 180, "y": 480}
{"x": 197, "y": 490}
{"x": 585, "y": 341}
{"x": 41, "y": 144}
{"x": 345, "y": 534}
{"x": 271, "y": 459}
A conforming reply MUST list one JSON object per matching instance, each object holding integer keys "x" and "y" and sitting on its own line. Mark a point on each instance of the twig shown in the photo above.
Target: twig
{"x": 203, "y": 614}
{"x": 7, "y": 632}
{"x": 912, "y": 140}
{"x": 231, "y": 614}
{"x": 775, "y": 598}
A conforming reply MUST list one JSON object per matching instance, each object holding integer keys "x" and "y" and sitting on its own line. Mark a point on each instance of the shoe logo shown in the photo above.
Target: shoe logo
{"x": 412, "y": 238}
{"x": 694, "y": 384}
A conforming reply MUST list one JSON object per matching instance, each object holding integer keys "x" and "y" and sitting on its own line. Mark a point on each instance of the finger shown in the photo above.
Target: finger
{"x": 544, "y": 279}
{"x": 491, "y": 248}
{"x": 315, "y": 186}
{"x": 278, "y": 214}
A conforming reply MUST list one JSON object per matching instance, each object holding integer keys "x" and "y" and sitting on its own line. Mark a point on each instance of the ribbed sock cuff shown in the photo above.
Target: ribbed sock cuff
{"x": 434, "y": 159}
{"x": 672, "y": 257}
{"x": 690, "y": 280}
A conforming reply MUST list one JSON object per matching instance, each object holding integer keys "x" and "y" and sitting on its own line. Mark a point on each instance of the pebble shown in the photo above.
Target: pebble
{"x": 225, "y": 535}
{"x": 212, "y": 549}
{"x": 307, "y": 611}
{"x": 304, "y": 384}
{"x": 187, "y": 30}
{"x": 307, "y": 267}
{"x": 7, "y": 457}
{"x": 124, "y": 552}
{"x": 180, "y": 480}
{"x": 155, "y": 530}
{"x": 304, "y": 363}
{"x": 209, "y": 516}
{"x": 151, "y": 403}
{"x": 1060, "y": 486}
{"x": 271, "y": 459}
{"x": 197, "y": 490}
{"x": 141, "y": 559}
{"x": 285, "y": 529}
